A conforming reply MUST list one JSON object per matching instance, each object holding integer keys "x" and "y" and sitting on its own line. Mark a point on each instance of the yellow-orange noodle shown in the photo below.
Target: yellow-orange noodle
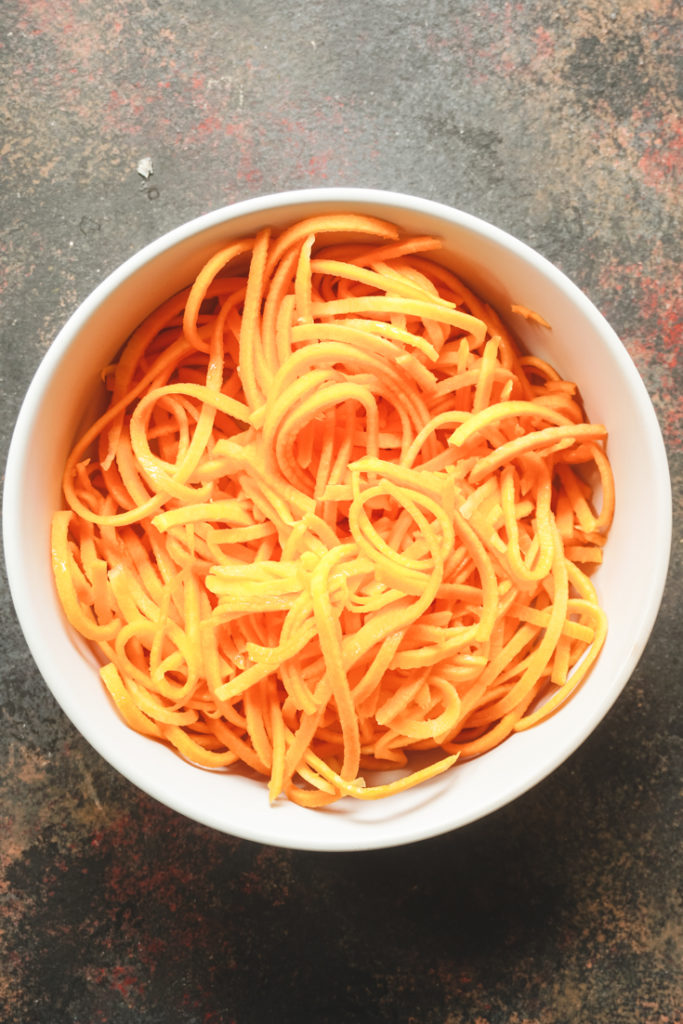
{"x": 332, "y": 517}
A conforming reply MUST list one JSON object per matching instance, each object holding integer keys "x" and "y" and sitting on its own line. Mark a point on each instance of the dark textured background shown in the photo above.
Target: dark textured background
{"x": 562, "y": 123}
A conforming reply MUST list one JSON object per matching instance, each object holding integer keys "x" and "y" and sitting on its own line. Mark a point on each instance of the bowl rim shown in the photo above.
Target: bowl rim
{"x": 225, "y": 215}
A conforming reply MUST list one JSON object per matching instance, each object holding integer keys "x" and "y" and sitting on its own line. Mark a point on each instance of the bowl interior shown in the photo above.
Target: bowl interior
{"x": 580, "y": 345}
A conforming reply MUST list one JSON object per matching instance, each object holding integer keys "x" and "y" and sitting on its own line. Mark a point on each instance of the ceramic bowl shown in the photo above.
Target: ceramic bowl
{"x": 582, "y": 347}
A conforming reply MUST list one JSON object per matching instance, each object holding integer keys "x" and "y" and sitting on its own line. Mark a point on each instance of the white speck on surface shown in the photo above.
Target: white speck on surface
{"x": 145, "y": 168}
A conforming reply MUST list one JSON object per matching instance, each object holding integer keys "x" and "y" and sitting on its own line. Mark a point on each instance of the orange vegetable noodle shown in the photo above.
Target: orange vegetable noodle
{"x": 333, "y": 520}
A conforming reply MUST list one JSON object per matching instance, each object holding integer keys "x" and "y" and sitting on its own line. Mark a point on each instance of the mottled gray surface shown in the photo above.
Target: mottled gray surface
{"x": 562, "y": 124}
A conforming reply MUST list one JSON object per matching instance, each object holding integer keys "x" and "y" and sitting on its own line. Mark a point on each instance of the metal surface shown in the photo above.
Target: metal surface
{"x": 561, "y": 124}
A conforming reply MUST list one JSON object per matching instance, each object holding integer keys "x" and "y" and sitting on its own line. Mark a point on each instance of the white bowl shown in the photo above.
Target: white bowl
{"x": 581, "y": 345}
